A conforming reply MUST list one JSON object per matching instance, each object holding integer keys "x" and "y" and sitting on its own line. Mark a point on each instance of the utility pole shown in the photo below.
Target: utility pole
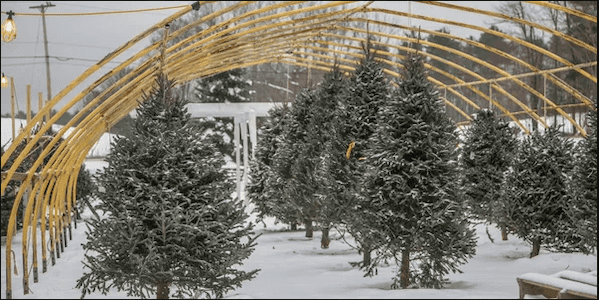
{"x": 42, "y": 9}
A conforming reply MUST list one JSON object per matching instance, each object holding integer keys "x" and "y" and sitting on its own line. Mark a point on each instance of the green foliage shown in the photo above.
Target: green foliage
{"x": 267, "y": 187}
{"x": 325, "y": 135}
{"x": 414, "y": 201}
{"x": 584, "y": 185}
{"x": 486, "y": 156}
{"x": 86, "y": 189}
{"x": 297, "y": 173}
{"x": 539, "y": 201}
{"x": 368, "y": 90}
{"x": 169, "y": 217}
{"x": 293, "y": 159}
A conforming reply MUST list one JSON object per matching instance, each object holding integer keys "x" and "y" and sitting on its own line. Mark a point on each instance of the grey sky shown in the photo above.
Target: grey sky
{"x": 79, "y": 42}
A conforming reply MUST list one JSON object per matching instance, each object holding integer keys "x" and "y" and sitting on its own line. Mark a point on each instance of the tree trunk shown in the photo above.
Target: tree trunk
{"x": 325, "y": 240}
{"x": 162, "y": 289}
{"x": 309, "y": 229}
{"x": 366, "y": 256}
{"x": 503, "y": 231}
{"x": 293, "y": 226}
{"x": 536, "y": 247}
{"x": 404, "y": 275}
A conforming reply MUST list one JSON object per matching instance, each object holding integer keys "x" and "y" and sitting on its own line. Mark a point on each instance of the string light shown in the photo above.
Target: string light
{"x": 9, "y": 28}
{"x": 4, "y": 81}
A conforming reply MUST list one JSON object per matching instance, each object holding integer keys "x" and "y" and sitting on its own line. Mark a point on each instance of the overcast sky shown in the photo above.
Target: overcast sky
{"x": 76, "y": 43}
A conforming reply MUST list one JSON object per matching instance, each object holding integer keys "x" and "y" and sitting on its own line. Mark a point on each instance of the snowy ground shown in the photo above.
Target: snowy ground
{"x": 293, "y": 266}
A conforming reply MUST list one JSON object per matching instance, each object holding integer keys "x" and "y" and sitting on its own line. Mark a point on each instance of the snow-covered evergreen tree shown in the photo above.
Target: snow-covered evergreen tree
{"x": 416, "y": 203}
{"x": 331, "y": 170}
{"x": 368, "y": 89}
{"x": 267, "y": 188}
{"x": 487, "y": 154}
{"x": 170, "y": 219}
{"x": 584, "y": 185}
{"x": 538, "y": 197}
{"x": 225, "y": 87}
{"x": 293, "y": 159}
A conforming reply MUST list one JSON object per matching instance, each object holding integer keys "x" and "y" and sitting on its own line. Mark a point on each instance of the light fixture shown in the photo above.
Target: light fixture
{"x": 9, "y": 29}
{"x": 4, "y": 81}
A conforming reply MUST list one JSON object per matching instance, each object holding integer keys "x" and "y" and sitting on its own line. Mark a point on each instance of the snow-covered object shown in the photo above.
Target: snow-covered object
{"x": 587, "y": 278}
{"x": 564, "y": 284}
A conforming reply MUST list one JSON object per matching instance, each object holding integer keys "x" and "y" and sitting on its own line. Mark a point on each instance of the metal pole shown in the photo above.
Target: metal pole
{"x": 42, "y": 9}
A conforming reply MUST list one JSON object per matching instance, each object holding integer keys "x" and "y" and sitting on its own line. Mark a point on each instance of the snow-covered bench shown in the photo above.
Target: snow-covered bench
{"x": 562, "y": 285}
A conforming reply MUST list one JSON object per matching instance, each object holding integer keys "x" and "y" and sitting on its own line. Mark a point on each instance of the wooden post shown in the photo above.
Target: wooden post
{"x": 12, "y": 106}
{"x": 28, "y": 112}
{"x": 40, "y": 104}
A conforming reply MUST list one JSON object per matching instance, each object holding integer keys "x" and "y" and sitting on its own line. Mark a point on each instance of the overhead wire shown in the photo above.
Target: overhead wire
{"x": 68, "y": 44}
{"x": 60, "y": 58}
{"x": 98, "y": 13}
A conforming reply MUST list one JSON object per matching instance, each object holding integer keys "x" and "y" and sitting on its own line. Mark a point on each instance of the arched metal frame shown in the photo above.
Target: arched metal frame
{"x": 280, "y": 32}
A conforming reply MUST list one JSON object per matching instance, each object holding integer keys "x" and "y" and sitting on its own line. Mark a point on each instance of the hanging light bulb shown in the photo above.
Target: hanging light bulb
{"x": 9, "y": 29}
{"x": 4, "y": 81}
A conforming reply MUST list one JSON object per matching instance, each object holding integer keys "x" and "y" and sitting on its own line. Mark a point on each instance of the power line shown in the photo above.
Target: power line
{"x": 67, "y": 44}
{"x": 60, "y": 58}
{"x": 98, "y": 13}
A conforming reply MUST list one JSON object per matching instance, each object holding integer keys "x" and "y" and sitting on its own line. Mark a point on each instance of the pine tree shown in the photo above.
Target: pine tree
{"x": 225, "y": 87}
{"x": 487, "y": 154}
{"x": 538, "y": 192}
{"x": 416, "y": 205}
{"x": 584, "y": 185}
{"x": 293, "y": 159}
{"x": 266, "y": 187}
{"x": 368, "y": 88}
{"x": 170, "y": 219}
{"x": 331, "y": 171}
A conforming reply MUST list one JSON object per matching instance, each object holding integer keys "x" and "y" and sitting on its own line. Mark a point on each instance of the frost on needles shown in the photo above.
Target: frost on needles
{"x": 170, "y": 226}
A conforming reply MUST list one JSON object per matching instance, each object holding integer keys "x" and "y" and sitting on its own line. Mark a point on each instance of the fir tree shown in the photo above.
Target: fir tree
{"x": 293, "y": 159}
{"x": 584, "y": 185}
{"x": 538, "y": 192}
{"x": 267, "y": 188}
{"x": 368, "y": 88}
{"x": 170, "y": 219}
{"x": 487, "y": 154}
{"x": 416, "y": 205}
{"x": 331, "y": 170}
{"x": 225, "y": 87}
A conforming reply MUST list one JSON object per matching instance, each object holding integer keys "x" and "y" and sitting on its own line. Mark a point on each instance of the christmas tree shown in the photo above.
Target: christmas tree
{"x": 225, "y": 87}
{"x": 267, "y": 188}
{"x": 487, "y": 154}
{"x": 293, "y": 159}
{"x": 416, "y": 205}
{"x": 331, "y": 171}
{"x": 539, "y": 201}
{"x": 368, "y": 89}
{"x": 169, "y": 216}
{"x": 584, "y": 185}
